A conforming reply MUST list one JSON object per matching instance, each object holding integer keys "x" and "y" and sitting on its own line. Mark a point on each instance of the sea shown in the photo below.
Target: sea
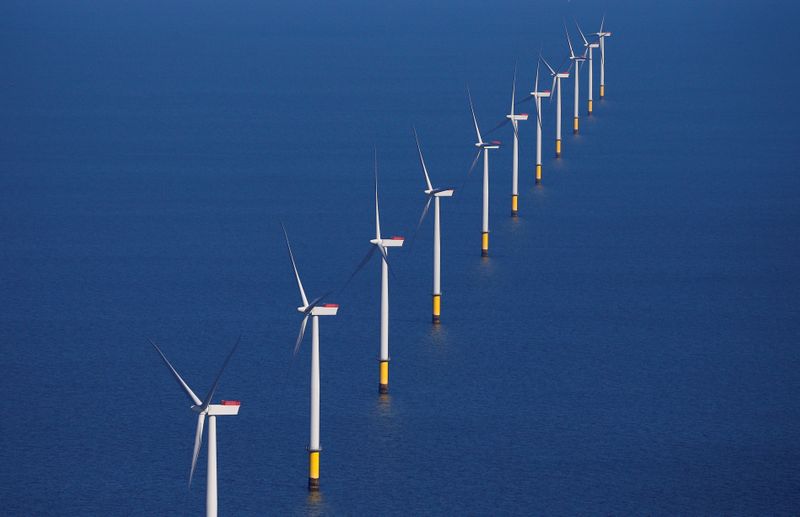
{"x": 631, "y": 346}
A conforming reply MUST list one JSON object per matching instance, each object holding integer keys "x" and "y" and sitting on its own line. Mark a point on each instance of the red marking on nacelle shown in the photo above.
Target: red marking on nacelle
{"x": 231, "y": 403}
{"x": 396, "y": 238}
{"x": 496, "y": 142}
{"x": 331, "y": 305}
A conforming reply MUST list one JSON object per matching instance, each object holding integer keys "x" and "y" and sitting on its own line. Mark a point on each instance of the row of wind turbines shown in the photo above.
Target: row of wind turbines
{"x": 316, "y": 308}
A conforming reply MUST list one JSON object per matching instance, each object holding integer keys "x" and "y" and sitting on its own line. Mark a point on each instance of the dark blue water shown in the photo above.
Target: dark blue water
{"x": 631, "y": 345}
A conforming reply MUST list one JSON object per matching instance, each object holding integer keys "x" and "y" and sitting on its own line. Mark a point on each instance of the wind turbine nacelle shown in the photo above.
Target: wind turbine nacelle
{"x": 594, "y": 45}
{"x": 603, "y": 34}
{"x": 224, "y": 408}
{"x": 518, "y": 116}
{"x": 327, "y": 309}
{"x": 392, "y": 242}
{"x": 563, "y": 75}
{"x": 494, "y": 144}
{"x": 442, "y": 193}
{"x": 543, "y": 94}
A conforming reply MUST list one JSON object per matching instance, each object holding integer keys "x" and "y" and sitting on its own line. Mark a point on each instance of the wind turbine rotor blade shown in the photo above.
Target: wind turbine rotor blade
{"x": 474, "y": 118}
{"x": 569, "y": 42}
{"x": 213, "y": 389}
{"x": 383, "y": 253}
{"x": 525, "y": 99}
{"x": 471, "y": 168}
{"x": 177, "y": 376}
{"x": 300, "y": 335}
{"x": 377, "y": 213}
{"x": 583, "y": 37}
{"x": 198, "y": 441}
{"x": 536, "y": 82}
{"x": 294, "y": 266}
{"x": 500, "y": 124}
{"x": 422, "y": 161}
{"x": 602, "y": 22}
{"x": 359, "y": 267}
{"x": 421, "y": 219}
{"x": 552, "y": 72}
{"x": 513, "y": 89}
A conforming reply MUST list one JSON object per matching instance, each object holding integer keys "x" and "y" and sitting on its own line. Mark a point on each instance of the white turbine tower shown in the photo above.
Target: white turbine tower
{"x": 557, "y": 76}
{"x": 314, "y": 310}
{"x": 433, "y": 194}
{"x": 602, "y": 35}
{"x": 205, "y": 408}
{"x": 577, "y": 61}
{"x": 590, "y": 47}
{"x": 537, "y": 97}
{"x": 483, "y": 147}
{"x": 515, "y": 119}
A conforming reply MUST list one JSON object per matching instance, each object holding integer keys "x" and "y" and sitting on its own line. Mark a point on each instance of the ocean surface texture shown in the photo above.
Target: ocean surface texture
{"x": 629, "y": 347}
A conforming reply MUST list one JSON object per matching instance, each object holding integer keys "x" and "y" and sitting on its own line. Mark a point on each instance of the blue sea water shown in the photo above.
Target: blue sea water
{"x": 629, "y": 347}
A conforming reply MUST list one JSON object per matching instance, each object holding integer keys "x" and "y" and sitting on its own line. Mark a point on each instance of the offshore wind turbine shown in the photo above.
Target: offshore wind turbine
{"x": 601, "y": 36}
{"x": 537, "y": 97}
{"x": 383, "y": 246}
{"x": 483, "y": 147}
{"x": 577, "y": 61}
{"x": 433, "y": 194}
{"x": 312, "y": 310}
{"x": 515, "y": 119}
{"x": 557, "y": 76}
{"x": 204, "y": 408}
{"x": 590, "y": 47}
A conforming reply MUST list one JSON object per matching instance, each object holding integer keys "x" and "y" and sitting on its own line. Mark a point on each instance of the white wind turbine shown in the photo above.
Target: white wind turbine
{"x": 314, "y": 310}
{"x": 483, "y": 147}
{"x": 381, "y": 244}
{"x": 515, "y": 118}
{"x": 601, "y": 36}
{"x": 537, "y": 97}
{"x": 205, "y": 408}
{"x": 590, "y": 47}
{"x": 433, "y": 194}
{"x": 577, "y": 61}
{"x": 557, "y": 76}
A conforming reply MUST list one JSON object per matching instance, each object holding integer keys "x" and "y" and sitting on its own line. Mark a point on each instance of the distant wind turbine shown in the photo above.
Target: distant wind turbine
{"x": 484, "y": 147}
{"x": 577, "y": 62}
{"x": 538, "y": 96}
{"x": 602, "y": 35}
{"x": 515, "y": 119}
{"x": 590, "y": 47}
{"x": 314, "y": 310}
{"x": 205, "y": 408}
{"x": 557, "y": 76}
{"x": 383, "y": 246}
{"x": 433, "y": 194}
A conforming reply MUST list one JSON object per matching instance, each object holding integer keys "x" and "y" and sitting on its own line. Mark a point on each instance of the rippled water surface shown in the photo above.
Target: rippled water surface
{"x": 629, "y": 347}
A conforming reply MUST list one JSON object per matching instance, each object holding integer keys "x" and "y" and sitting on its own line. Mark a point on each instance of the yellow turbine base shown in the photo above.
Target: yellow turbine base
{"x": 313, "y": 470}
{"x": 538, "y": 173}
{"x": 558, "y": 148}
{"x": 602, "y": 90}
{"x": 485, "y": 245}
{"x": 513, "y": 204}
{"x": 575, "y": 125}
{"x": 590, "y": 106}
{"x": 383, "y": 387}
{"x": 437, "y": 307}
